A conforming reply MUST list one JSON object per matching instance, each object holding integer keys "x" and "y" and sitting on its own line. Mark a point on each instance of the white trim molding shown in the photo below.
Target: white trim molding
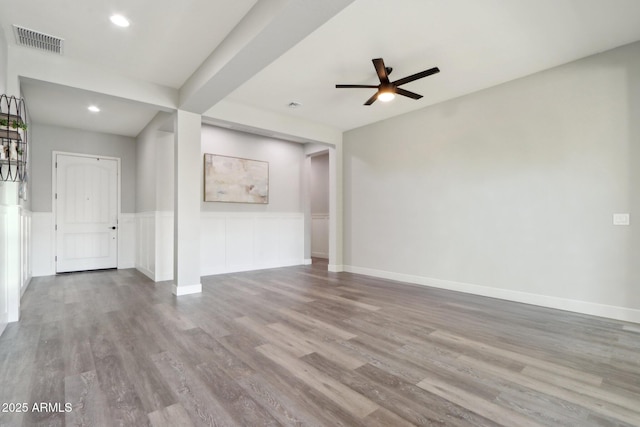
{"x": 584, "y": 307}
{"x": 186, "y": 290}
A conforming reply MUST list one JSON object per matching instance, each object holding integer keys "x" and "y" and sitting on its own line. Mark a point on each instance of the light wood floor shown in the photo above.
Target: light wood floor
{"x": 300, "y": 346}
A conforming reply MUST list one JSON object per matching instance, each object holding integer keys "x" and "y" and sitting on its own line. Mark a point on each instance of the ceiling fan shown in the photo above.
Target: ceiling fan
{"x": 387, "y": 89}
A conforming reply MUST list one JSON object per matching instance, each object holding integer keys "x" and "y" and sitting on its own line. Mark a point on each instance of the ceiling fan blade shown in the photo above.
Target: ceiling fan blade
{"x": 381, "y": 70}
{"x": 356, "y": 86}
{"x": 417, "y": 76}
{"x": 372, "y": 99}
{"x": 403, "y": 92}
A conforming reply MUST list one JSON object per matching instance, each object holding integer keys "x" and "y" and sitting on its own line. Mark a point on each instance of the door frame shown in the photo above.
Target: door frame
{"x": 54, "y": 187}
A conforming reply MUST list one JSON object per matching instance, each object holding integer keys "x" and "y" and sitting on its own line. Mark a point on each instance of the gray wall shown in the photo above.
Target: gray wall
{"x": 155, "y": 171}
{"x": 285, "y": 159}
{"x": 319, "y": 183}
{"x": 45, "y": 139}
{"x": 513, "y": 187}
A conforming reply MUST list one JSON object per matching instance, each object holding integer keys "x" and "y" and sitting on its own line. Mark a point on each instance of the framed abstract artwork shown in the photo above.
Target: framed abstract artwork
{"x": 235, "y": 180}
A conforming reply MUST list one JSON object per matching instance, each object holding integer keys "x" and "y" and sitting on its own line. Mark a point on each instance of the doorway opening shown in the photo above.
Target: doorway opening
{"x": 319, "y": 203}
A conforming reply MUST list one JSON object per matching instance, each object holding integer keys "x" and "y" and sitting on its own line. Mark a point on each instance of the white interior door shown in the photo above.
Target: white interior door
{"x": 86, "y": 213}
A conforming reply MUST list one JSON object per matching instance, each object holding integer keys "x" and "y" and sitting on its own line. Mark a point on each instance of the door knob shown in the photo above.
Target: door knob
{"x": 113, "y": 228}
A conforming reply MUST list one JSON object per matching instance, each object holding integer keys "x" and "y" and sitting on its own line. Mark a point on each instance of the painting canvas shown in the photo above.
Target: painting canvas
{"x": 235, "y": 180}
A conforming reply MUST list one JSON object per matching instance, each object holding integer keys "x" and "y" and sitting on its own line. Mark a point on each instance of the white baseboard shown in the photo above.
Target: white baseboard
{"x": 146, "y": 272}
{"x": 187, "y": 290}
{"x": 26, "y": 285}
{"x": 334, "y": 268}
{"x": 576, "y": 306}
{"x": 307, "y": 261}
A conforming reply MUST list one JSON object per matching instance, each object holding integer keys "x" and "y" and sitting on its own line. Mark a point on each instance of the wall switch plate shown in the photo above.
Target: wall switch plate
{"x": 621, "y": 219}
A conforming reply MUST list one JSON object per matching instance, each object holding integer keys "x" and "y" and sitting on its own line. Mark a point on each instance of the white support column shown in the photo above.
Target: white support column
{"x": 188, "y": 180}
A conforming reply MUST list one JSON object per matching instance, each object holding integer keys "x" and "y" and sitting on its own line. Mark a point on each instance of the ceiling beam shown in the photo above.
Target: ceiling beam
{"x": 31, "y": 64}
{"x": 269, "y": 29}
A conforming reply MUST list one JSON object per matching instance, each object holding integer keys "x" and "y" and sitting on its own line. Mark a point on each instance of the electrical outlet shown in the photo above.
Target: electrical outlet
{"x": 621, "y": 219}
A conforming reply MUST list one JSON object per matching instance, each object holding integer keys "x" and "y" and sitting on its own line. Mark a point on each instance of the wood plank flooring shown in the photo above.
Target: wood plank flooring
{"x": 303, "y": 347}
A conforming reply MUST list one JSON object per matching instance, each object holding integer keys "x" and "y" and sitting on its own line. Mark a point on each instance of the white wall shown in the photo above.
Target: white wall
{"x": 508, "y": 192}
{"x": 46, "y": 139}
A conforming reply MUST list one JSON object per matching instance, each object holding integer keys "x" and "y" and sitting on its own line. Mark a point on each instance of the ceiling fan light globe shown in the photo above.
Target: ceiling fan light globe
{"x": 386, "y": 96}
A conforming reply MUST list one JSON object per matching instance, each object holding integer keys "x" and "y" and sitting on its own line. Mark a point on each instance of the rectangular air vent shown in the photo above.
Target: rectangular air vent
{"x": 30, "y": 38}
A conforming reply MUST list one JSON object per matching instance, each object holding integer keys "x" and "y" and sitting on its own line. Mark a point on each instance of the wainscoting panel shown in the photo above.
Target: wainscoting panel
{"x": 240, "y": 236}
{"x": 213, "y": 254}
{"x": 146, "y": 243}
{"x": 15, "y": 275}
{"x": 229, "y": 242}
{"x": 267, "y": 241}
{"x": 4, "y": 267}
{"x": 25, "y": 250}
{"x": 320, "y": 235}
{"x": 291, "y": 244}
{"x": 232, "y": 242}
{"x": 42, "y": 251}
{"x": 127, "y": 240}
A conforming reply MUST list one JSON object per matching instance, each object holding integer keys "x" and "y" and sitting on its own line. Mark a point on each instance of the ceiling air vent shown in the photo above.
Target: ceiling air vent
{"x": 41, "y": 41}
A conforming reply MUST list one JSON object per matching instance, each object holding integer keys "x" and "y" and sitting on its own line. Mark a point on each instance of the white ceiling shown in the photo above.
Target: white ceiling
{"x": 166, "y": 42}
{"x": 476, "y": 43}
{"x": 67, "y": 107}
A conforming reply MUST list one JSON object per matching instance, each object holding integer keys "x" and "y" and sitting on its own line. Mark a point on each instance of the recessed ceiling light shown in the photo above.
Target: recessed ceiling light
{"x": 119, "y": 20}
{"x": 93, "y": 109}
